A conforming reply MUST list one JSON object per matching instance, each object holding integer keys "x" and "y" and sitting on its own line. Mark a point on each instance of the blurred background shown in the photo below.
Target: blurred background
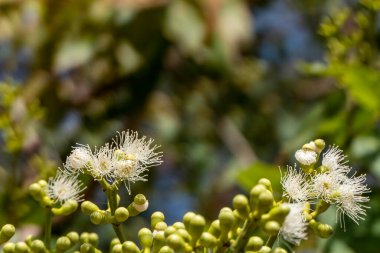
{"x": 229, "y": 88}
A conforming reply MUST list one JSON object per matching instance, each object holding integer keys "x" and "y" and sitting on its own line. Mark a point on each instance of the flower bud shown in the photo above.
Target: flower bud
{"x": 271, "y": 227}
{"x": 166, "y": 249}
{"x": 254, "y": 243}
{"x": 42, "y": 183}
{"x": 184, "y": 234}
{"x": 265, "y": 201}
{"x": 279, "y": 250}
{"x": 241, "y": 203}
{"x": 175, "y": 242}
{"x": 47, "y": 201}
{"x": 84, "y": 237}
{"x": 87, "y": 248}
{"x": 214, "y": 228}
{"x": 266, "y": 182}
{"x": 161, "y": 226}
{"x": 130, "y": 247}
{"x": 320, "y": 145}
{"x": 6, "y": 233}
{"x": 325, "y": 230}
{"x": 121, "y": 214}
{"x": 36, "y": 191}
{"x": 9, "y": 247}
{"x": 97, "y": 217}
{"x": 145, "y": 238}
{"x": 88, "y": 207}
{"x": 226, "y": 221}
{"x": 278, "y": 213}
{"x": 67, "y": 208}
{"x": 21, "y": 247}
{"x": 38, "y": 246}
{"x": 93, "y": 239}
{"x": 158, "y": 240}
{"x": 265, "y": 249}
{"x": 187, "y": 218}
{"x": 178, "y": 225}
{"x": 254, "y": 195}
{"x": 139, "y": 205}
{"x": 73, "y": 236}
{"x": 207, "y": 240}
{"x": 196, "y": 227}
{"x": 63, "y": 243}
{"x": 170, "y": 230}
{"x": 156, "y": 217}
{"x": 114, "y": 242}
{"x": 117, "y": 248}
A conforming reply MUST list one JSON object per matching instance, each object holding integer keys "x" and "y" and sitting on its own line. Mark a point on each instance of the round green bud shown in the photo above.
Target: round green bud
{"x": 36, "y": 191}
{"x": 277, "y": 213}
{"x": 266, "y": 182}
{"x": 254, "y": 195}
{"x": 254, "y": 243}
{"x": 178, "y": 225}
{"x": 38, "y": 246}
{"x": 73, "y": 236}
{"x": 196, "y": 226}
{"x": 145, "y": 238}
{"x": 184, "y": 234}
{"x": 139, "y": 199}
{"x": 272, "y": 227}
{"x": 279, "y": 250}
{"x": 42, "y": 183}
{"x": 88, "y": 207}
{"x": 21, "y": 247}
{"x": 166, "y": 249}
{"x": 47, "y": 201}
{"x": 207, "y": 240}
{"x": 265, "y": 249}
{"x": 115, "y": 241}
{"x": 170, "y": 230}
{"x": 93, "y": 239}
{"x": 325, "y": 230}
{"x": 9, "y": 247}
{"x": 214, "y": 228}
{"x": 187, "y": 218}
{"x": 97, "y": 217}
{"x": 320, "y": 144}
{"x": 129, "y": 247}
{"x": 87, "y": 248}
{"x": 226, "y": 219}
{"x": 7, "y": 231}
{"x": 156, "y": 217}
{"x": 84, "y": 237}
{"x": 121, "y": 214}
{"x": 63, "y": 243}
{"x": 117, "y": 248}
{"x": 161, "y": 226}
{"x": 241, "y": 203}
{"x": 175, "y": 242}
{"x": 67, "y": 208}
{"x": 265, "y": 201}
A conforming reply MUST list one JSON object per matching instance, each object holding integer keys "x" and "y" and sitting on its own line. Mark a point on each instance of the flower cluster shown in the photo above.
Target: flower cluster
{"x": 330, "y": 183}
{"x": 123, "y": 160}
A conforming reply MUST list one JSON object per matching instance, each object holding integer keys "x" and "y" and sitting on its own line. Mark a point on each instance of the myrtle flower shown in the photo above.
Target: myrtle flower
{"x": 294, "y": 228}
{"x": 350, "y": 198}
{"x": 134, "y": 156}
{"x": 306, "y": 156}
{"x": 102, "y": 163}
{"x": 295, "y": 185}
{"x": 79, "y": 159}
{"x": 334, "y": 160}
{"x": 65, "y": 187}
{"x": 323, "y": 186}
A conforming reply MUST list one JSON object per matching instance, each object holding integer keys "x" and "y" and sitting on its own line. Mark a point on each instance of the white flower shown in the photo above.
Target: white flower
{"x": 324, "y": 186}
{"x": 350, "y": 199}
{"x": 334, "y": 160}
{"x": 133, "y": 156}
{"x": 295, "y": 185}
{"x": 79, "y": 159}
{"x": 306, "y": 157}
{"x": 65, "y": 187}
{"x": 294, "y": 228}
{"x": 103, "y": 163}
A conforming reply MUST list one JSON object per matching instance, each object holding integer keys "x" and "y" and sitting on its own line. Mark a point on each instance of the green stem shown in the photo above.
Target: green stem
{"x": 248, "y": 228}
{"x": 48, "y": 225}
{"x": 111, "y": 193}
{"x": 271, "y": 241}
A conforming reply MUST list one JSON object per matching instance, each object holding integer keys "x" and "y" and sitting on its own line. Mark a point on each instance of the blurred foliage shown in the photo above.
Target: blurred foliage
{"x": 214, "y": 81}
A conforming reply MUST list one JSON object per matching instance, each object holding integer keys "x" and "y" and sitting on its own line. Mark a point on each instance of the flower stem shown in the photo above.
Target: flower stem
{"x": 271, "y": 241}
{"x": 48, "y": 225}
{"x": 111, "y": 193}
{"x": 248, "y": 228}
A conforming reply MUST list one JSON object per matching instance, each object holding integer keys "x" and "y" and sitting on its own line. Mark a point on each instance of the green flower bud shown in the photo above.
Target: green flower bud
{"x": 6, "y": 233}
{"x": 320, "y": 144}
{"x": 272, "y": 227}
{"x": 325, "y": 230}
{"x": 42, "y": 183}
{"x": 170, "y": 230}
{"x": 84, "y": 237}
{"x": 187, "y": 218}
{"x": 196, "y": 227}
{"x": 108, "y": 217}
{"x": 87, "y": 248}
{"x": 130, "y": 247}
{"x": 279, "y": 250}
{"x": 139, "y": 199}
{"x": 38, "y": 246}
{"x": 175, "y": 242}
{"x": 254, "y": 195}
{"x": 97, "y": 217}
{"x": 158, "y": 240}
{"x": 9, "y": 247}
{"x": 46, "y": 201}
{"x": 88, "y": 207}
{"x": 161, "y": 226}
{"x": 277, "y": 213}
{"x": 254, "y": 243}
{"x": 266, "y": 182}
{"x": 139, "y": 205}
{"x": 73, "y": 236}
{"x": 207, "y": 240}
{"x": 67, "y": 208}
{"x": 184, "y": 234}
{"x": 117, "y": 248}
{"x": 265, "y": 249}
{"x": 115, "y": 241}
{"x": 145, "y": 238}
{"x": 226, "y": 220}
{"x": 21, "y": 247}
{"x": 241, "y": 203}
{"x": 63, "y": 243}
{"x": 166, "y": 249}
{"x": 36, "y": 191}
{"x": 93, "y": 239}
{"x": 178, "y": 225}
{"x": 214, "y": 228}
{"x": 265, "y": 201}
{"x": 156, "y": 217}
{"x": 121, "y": 214}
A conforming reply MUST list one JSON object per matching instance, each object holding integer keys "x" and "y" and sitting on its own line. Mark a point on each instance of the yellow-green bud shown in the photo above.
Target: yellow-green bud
{"x": 21, "y": 247}
{"x": 214, "y": 228}
{"x": 187, "y": 218}
{"x": 6, "y": 232}
{"x": 161, "y": 226}
{"x": 279, "y": 250}
{"x": 266, "y": 182}
{"x": 117, "y": 248}
{"x": 121, "y": 214}
{"x": 265, "y": 249}
{"x": 139, "y": 204}
{"x": 166, "y": 249}
{"x": 175, "y": 242}
{"x": 170, "y": 230}
{"x": 278, "y": 213}
{"x": 272, "y": 227}
{"x": 36, "y": 191}
{"x": 73, "y": 236}
{"x": 9, "y": 247}
{"x": 241, "y": 203}
{"x": 87, "y": 248}
{"x": 93, "y": 239}
{"x": 84, "y": 237}
{"x": 130, "y": 247}
{"x": 196, "y": 227}
{"x": 156, "y": 217}
{"x": 42, "y": 183}
{"x": 254, "y": 195}
{"x": 37, "y": 246}
{"x": 88, "y": 207}
{"x": 226, "y": 219}
{"x": 115, "y": 241}
{"x": 63, "y": 243}
{"x": 158, "y": 240}
{"x": 67, "y": 208}
{"x": 145, "y": 238}
{"x": 265, "y": 201}
{"x": 325, "y": 230}
{"x": 184, "y": 234}
{"x": 178, "y": 225}
{"x": 47, "y": 201}
{"x": 320, "y": 144}
{"x": 97, "y": 217}
{"x": 207, "y": 240}
{"x": 139, "y": 199}
{"x": 254, "y": 243}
